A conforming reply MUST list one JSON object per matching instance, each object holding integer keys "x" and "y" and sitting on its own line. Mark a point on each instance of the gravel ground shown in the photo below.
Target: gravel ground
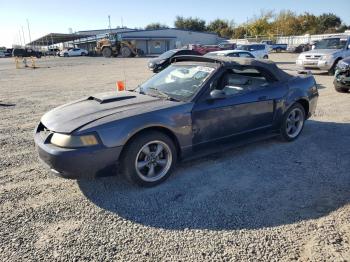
{"x": 268, "y": 201}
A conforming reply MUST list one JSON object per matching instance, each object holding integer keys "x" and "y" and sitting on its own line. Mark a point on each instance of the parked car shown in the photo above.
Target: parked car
{"x": 326, "y": 54}
{"x": 204, "y": 49}
{"x": 52, "y": 51}
{"x": 258, "y": 50}
{"x": 275, "y": 47}
{"x": 74, "y": 52}
{"x": 231, "y": 53}
{"x": 299, "y": 48}
{"x": 227, "y": 46}
{"x": 159, "y": 63}
{"x": 26, "y": 52}
{"x": 342, "y": 76}
{"x": 196, "y": 103}
{"x": 6, "y": 52}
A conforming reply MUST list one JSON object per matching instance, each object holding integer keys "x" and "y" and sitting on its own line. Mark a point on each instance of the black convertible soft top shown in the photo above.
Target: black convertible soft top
{"x": 268, "y": 65}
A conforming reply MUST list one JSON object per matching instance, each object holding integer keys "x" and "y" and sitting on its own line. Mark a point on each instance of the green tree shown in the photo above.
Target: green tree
{"x": 287, "y": 23}
{"x": 329, "y": 22}
{"x": 156, "y": 26}
{"x": 309, "y": 24}
{"x": 239, "y": 32}
{"x": 223, "y": 28}
{"x": 190, "y": 23}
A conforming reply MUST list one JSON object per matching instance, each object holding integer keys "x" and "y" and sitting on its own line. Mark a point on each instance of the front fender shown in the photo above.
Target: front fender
{"x": 176, "y": 120}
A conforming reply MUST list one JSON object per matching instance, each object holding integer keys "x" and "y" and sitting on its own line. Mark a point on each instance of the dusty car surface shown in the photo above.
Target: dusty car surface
{"x": 193, "y": 104}
{"x": 342, "y": 76}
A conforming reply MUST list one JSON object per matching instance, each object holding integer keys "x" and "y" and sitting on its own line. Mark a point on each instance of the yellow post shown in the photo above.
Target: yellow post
{"x": 17, "y": 63}
{"x": 33, "y": 62}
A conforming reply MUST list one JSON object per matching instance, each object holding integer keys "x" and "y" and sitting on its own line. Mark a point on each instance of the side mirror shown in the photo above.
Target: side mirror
{"x": 217, "y": 94}
{"x": 348, "y": 46}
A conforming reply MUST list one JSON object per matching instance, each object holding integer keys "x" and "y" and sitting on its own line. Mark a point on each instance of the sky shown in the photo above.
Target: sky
{"x": 61, "y": 15}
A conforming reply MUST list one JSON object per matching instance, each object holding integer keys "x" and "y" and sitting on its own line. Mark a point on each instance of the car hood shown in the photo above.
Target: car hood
{"x": 72, "y": 116}
{"x": 321, "y": 51}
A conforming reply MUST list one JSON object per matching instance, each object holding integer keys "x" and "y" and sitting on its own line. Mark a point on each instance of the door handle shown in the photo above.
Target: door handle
{"x": 261, "y": 98}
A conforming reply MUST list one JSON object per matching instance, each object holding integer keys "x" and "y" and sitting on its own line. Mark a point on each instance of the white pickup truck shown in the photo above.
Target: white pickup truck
{"x": 326, "y": 54}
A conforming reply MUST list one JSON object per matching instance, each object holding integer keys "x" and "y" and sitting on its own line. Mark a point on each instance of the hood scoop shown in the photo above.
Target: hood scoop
{"x": 110, "y": 97}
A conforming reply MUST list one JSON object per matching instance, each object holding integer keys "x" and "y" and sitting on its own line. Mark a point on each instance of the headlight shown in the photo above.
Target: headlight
{"x": 326, "y": 57}
{"x": 69, "y": 141}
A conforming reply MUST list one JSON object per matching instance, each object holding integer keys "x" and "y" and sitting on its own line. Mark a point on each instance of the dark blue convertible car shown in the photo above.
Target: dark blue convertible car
{"x": 195, "y": 103}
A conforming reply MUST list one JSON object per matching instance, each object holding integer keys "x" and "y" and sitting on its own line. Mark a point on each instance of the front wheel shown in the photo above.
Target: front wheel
{"x": 293, "y": 122}
{"x": 266, "y": 57}
{"x": 149, "y": 159}
{"x": 342, "y": 89}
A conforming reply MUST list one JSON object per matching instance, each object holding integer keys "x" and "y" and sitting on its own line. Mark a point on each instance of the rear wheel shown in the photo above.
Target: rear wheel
{"x": 107, "y": 52}
{"x": 266, "y": 57}
{"x": 149, "y": 159}
{"x": 125, "y": 51}
{"x": 293, "y": 122}
{"x": 83, "y": 54}
{"x": 278, "y": 50}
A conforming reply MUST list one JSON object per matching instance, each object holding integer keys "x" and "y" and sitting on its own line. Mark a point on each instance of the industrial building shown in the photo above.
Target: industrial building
{"x": 152, "y": 42}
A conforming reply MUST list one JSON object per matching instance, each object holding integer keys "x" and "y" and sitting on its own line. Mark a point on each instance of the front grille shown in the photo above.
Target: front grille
{"x": 313, "y": 57}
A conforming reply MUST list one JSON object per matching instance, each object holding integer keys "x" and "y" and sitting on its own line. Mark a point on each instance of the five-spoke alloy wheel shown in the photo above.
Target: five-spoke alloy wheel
{"x": 149, "y": 158}
{"x": 293, "y": 122}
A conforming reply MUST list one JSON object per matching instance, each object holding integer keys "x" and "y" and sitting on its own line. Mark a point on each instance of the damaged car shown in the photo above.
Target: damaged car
{"x": 194, "y": 106}
{"x": 342, "y": 76}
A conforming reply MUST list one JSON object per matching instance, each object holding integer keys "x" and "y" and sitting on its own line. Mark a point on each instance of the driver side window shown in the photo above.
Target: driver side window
{"x": 236, "y": 82}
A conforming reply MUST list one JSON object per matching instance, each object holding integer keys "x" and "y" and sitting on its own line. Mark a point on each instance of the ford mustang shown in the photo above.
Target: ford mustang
{"x": 193, "y": 104}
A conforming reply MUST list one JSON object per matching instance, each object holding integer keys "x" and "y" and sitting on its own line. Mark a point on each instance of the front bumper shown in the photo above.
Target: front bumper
{"x": 342, "y": 79}
{"x": 314, "y": 64}
{"x": 77, "y": 163}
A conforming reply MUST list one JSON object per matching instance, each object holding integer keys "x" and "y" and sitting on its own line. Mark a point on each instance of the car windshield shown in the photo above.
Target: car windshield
{"x": 331, "y": 43}
{"x": 167, "y": 54}
{"x": 243, "y": 47}
{"x": 177, "y": 82}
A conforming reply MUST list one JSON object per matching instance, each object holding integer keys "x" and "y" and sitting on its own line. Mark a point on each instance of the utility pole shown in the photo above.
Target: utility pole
{"x": 109, "y": 22}
{"x": 30, "y": 38}
{"x": 24, "y": 40}
{"x": 20, "y": 37}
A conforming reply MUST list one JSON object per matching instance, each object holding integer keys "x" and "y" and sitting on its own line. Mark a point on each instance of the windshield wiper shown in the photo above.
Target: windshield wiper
{"x": 163, "y": 94}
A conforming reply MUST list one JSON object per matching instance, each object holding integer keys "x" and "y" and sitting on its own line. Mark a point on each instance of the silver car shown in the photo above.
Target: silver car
{"x": 326, "y": 54}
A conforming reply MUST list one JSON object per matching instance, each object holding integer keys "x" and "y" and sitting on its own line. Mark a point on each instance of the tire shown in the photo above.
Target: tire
{"x": 125, "y": 51}
{"x": 331, "y": 71}
{"x": 149, "y": 169}
{"x": 65, "y": 55}
{"x": 278, "y": 50}
{"x": 266, "y": 57}
{"x": 289, "y": 123}
{"x": 107, "y": 52}
{"x": 341, "y": 89}
{"x": 83, "y": 54}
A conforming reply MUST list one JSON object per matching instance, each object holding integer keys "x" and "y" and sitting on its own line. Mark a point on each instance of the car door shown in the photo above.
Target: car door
{"x": 242, "y": 111}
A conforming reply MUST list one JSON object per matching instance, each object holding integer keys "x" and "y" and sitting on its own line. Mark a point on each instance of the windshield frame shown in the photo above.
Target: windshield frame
{"x": 195, "y": 93}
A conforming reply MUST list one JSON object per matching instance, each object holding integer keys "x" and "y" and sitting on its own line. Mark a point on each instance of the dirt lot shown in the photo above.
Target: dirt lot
{"x": 270, "y": 201}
